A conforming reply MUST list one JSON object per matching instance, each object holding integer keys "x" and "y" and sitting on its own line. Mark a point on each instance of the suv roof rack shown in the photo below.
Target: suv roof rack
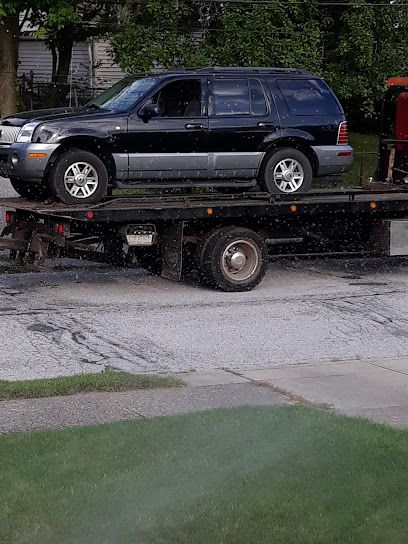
{"x": 235, "y": 69}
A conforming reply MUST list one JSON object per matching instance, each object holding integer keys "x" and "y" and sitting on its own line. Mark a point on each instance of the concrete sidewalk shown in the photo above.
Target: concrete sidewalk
{"x": 91, "y": 408}
{"x": 375, "y": 389}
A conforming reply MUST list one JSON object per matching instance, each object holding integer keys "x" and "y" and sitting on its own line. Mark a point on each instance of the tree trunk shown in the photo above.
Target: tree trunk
{"x": 59, "y": 89}
{"x": 9, "y": 40}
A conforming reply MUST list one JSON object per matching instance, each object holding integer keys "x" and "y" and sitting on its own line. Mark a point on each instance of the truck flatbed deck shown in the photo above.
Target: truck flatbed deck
{"x": 186, "y": 206}
{"x": 226, "y": 234}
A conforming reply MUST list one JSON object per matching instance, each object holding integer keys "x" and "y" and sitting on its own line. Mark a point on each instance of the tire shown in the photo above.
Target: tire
{"x": 287, "y": 183}
{"x": 217, "y": 250}
{"x": 78, "y": 177}
{"x": 30, "y": 190}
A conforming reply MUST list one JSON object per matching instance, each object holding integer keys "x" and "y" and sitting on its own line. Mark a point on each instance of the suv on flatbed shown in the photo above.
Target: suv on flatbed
{"x": 209, "y": 127}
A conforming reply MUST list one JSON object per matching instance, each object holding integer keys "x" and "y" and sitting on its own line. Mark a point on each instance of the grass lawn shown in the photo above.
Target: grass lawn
{"x": 82, "y": 383}
{"x": 289, "y": 475}
{"x": 362, "y": 143}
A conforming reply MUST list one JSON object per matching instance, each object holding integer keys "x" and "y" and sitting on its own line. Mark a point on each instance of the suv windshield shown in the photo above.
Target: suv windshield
{"x": 123, "y": 94}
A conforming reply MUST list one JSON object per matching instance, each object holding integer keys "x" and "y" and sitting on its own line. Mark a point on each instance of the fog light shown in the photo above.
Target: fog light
{"x": 14, "y": 159}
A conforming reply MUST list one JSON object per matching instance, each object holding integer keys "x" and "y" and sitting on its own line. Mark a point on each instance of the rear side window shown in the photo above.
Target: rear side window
{"x": 308, "y": 97}
{"x": 238, "y": 97}
{"x": 231, "y": 97}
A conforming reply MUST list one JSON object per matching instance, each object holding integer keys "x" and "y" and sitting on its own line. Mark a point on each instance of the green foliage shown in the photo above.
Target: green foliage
{"x": 356, "y": 47}
{"x": 370, "y": 47}
{"x": 270, "y": 35}
{"x": 155, "y": 34}
{"x": 193, "y": 34}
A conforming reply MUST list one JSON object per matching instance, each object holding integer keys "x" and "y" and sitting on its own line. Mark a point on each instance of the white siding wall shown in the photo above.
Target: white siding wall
{"x": 33, "y": 55}
{"x": 106, "y": 72}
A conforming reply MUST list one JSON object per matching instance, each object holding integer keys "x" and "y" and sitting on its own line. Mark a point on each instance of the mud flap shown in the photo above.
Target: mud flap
{"x": 172, "y": 250}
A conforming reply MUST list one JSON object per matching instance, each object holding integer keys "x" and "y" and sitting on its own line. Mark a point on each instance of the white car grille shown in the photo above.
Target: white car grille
{"x": 8, "y": 135}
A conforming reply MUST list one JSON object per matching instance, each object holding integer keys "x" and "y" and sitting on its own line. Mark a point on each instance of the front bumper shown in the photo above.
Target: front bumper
{"x": 334, "y": 159}
{"x": 25, "y": 161}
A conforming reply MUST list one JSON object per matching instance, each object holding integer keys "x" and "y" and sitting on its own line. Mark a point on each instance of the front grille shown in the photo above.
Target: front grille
{"x": 8, "y": 135}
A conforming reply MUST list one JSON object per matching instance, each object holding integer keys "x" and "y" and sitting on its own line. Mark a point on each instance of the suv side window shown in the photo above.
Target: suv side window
{"x": 180, "y": 98}
{"x": 308, "y": 97}
{"x": 231, "y": 97}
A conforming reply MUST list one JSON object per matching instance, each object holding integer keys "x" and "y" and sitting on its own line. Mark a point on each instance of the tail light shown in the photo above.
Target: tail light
{"x": 342, "y": 137}
{"x": 62, "y": 229}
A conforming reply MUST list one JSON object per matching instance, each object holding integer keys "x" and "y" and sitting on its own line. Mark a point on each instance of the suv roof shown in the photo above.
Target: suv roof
{"x": 235, "y": 70}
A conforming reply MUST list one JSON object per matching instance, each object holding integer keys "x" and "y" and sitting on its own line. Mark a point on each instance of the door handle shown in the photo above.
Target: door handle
{"x": 194, "y": 126}
{"x": 263, "y": 124}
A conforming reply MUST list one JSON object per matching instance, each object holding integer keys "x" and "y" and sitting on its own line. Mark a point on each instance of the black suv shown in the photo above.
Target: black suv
{"x": 210, "y": 127}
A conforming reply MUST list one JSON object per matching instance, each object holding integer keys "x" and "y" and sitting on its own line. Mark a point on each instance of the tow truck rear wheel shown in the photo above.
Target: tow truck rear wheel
{"x": 232, "y": 259}
{"x": 78, "y": 177}
{"x": 27, "y": 189}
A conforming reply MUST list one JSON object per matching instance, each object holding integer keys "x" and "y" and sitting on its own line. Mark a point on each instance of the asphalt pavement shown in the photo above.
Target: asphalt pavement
{"x": 86, "y": 320}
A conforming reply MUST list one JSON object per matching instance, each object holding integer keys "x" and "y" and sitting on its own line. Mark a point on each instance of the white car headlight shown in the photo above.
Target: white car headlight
{"x": 26, "y": 133}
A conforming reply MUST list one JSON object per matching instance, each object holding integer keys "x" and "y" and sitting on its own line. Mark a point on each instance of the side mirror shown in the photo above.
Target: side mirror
{"x": 149, "y": 111}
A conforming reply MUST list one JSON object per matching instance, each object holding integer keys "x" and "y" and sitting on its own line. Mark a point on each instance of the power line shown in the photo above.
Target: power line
{"x": 303, "y": 3}
{"x": 323, "y": 3}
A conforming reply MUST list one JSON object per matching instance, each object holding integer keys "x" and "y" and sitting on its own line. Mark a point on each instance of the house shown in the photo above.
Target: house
{"x": 91, "y": 65}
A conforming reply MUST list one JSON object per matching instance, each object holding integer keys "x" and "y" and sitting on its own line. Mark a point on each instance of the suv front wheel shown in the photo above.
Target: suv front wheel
{"x": 287, "y": 171}
{"x": 78, "y": 177}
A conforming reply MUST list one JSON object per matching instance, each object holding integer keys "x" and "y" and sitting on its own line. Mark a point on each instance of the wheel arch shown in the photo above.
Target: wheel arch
{"x": 85, "y": 143}
{"x": 293, "y": 142}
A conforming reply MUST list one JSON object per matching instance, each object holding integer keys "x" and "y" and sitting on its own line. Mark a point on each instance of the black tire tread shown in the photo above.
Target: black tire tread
{"x": 209, "y": 252}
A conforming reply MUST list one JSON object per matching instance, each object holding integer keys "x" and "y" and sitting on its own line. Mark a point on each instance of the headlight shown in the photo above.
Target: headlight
{"x": 42, "y": 134}
{"x": 26, "y": 133}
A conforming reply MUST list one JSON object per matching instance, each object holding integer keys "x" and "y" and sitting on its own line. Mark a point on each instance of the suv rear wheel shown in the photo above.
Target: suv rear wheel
{"x": 287, "y": 171}
{"x": 27, "y": 189}
{"x": 78, "y": 177}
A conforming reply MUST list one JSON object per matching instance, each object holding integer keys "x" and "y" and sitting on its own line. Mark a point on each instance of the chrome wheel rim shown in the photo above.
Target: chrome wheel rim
{"x": 81, "y": 180}
{"x": 239, "y": 260}
{"x": 288, "y": 175}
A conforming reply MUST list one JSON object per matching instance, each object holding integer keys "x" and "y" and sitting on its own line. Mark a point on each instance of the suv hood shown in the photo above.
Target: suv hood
{"x": 21, "y": 118}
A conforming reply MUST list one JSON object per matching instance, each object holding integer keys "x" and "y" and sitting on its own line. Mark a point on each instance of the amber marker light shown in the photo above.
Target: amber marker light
{"x": 293, "y": 208}
{"x": 210, "y": 211}
{"x": 373, "y": 205}
{"x": 37, "y": 155}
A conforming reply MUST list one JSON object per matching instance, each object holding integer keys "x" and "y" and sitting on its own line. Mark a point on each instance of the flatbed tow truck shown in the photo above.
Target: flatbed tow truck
{"x": 228, "y": 239}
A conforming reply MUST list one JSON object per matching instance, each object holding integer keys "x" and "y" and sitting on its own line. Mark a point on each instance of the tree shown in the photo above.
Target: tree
{"x": 356, "y": 45}
{"x": 154, "y": 33}
{"x": 9, "y": 40}
{"x": 61, "y": 23}
{"x": 273, "y": 34}
{"x": 370, "y": 45}
{"x": 66, "y": 23}
{"x": 197, "y": 33}
{"x": 10, "y": 26}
